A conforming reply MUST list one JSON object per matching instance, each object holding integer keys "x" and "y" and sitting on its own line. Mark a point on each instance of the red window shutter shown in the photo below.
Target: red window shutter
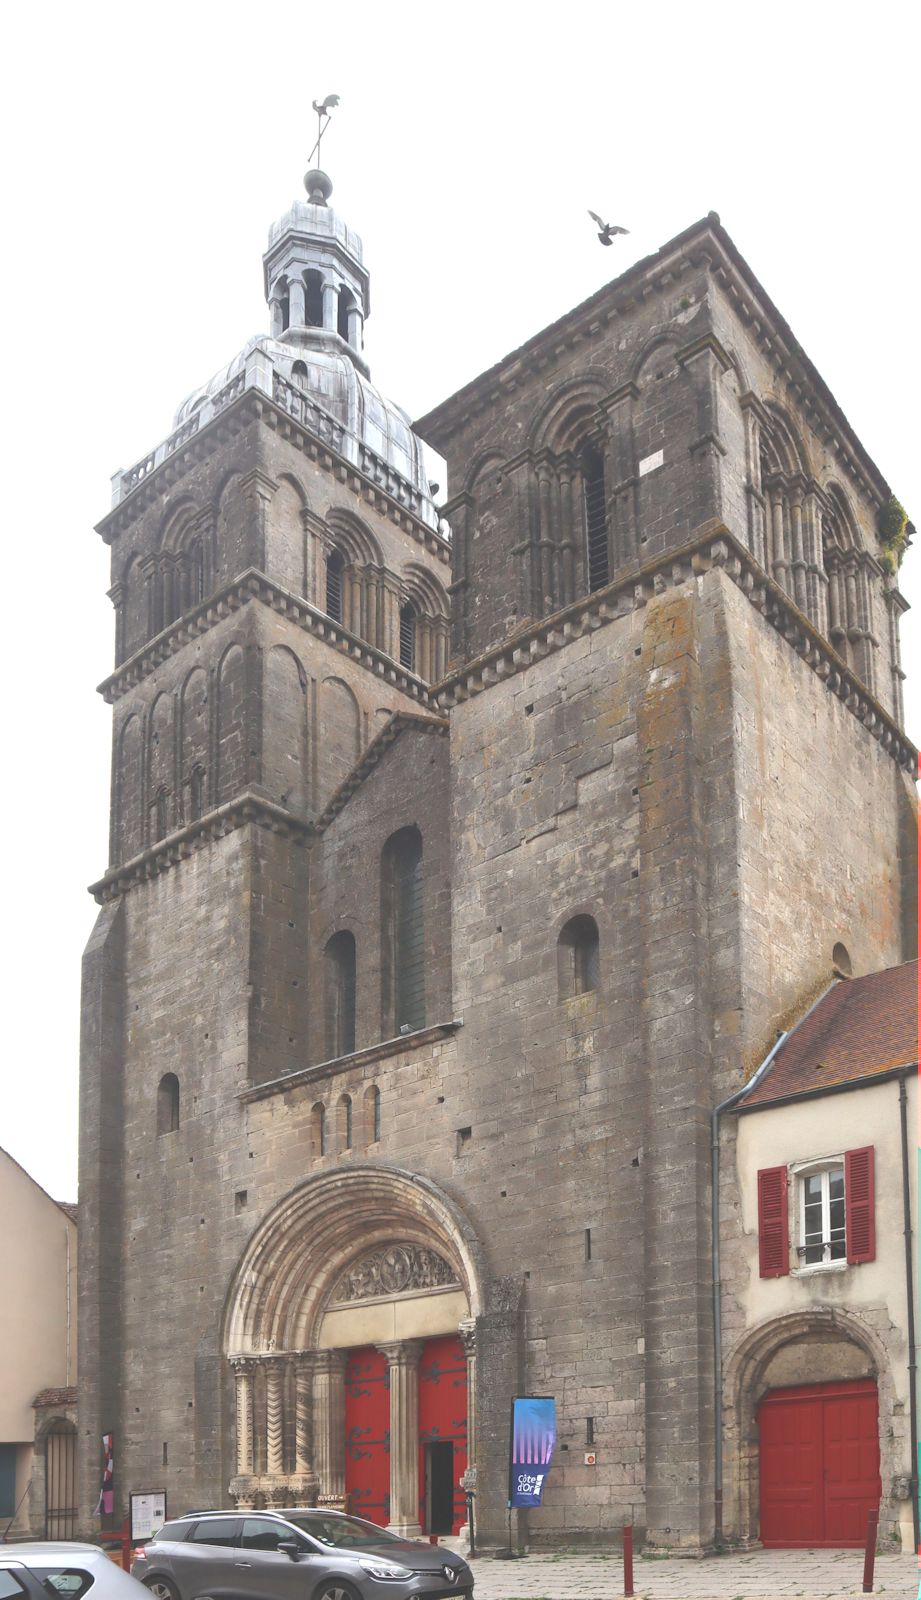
{"x": 859, "y": 1207}
{"x": 773, "y": 1243}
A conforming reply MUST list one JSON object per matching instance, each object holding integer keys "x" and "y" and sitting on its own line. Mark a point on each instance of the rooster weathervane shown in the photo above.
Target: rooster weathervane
{"x": 323, "y": 109}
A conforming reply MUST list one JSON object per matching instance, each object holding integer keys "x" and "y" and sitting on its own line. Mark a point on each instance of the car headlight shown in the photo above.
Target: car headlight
{"x": 377, "y": 1568}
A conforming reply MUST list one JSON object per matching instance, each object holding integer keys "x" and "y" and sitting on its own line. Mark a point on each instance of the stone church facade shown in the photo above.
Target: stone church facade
{"x": 461, "y": 861}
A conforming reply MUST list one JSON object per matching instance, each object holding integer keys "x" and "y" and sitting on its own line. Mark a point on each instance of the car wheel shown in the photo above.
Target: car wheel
{"x": 161, "y": 1588}
{"x": 335, "y": 1589}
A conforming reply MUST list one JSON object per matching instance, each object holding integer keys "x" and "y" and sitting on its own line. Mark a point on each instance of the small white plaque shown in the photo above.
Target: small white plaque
{"x": 649, "y": 463}
{"x": 590, "y": 1458}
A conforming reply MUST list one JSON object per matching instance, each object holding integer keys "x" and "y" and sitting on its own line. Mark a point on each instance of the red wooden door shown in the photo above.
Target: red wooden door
{"x": 367, "y": 1435}
{"x": 819, "y": 1463}
{"x": 443, "y": 1415}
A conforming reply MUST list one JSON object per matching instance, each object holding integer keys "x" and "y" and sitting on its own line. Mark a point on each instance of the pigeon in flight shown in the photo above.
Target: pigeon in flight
{"x": 608, "y": 229}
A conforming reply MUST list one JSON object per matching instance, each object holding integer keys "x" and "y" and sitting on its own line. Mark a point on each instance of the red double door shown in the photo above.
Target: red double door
{"x": 442, "y": 1434}
{"x": 819, "y": 1464}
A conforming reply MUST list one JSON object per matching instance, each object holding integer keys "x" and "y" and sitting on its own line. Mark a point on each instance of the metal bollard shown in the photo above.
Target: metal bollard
{"x": 869, "y": 1554}
{"x": 628, "y": 1560}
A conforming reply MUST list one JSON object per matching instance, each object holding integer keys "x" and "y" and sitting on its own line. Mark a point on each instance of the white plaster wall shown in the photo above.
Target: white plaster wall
{"x": 813, "y": 1130}
{"x": 39, "y": 1349}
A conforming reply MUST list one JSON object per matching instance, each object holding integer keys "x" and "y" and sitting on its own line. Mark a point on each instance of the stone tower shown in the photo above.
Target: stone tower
{"x": 431, "y": 935}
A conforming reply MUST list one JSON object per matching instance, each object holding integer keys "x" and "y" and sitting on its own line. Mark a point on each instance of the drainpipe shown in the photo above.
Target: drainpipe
{"x": 910, "y": 1299}
{"x": 715, "y": 1261}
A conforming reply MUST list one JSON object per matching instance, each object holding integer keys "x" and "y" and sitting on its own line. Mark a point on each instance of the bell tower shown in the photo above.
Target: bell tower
{"x": 265, "y": 557}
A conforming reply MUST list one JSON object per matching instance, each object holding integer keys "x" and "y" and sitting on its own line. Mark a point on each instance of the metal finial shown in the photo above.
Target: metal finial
{"x": 323, "y": 109}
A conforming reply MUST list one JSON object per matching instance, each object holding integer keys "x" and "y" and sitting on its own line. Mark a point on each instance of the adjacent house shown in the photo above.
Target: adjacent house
{"x": 820, "y": 1412}
{"x": 38, "y": 1340}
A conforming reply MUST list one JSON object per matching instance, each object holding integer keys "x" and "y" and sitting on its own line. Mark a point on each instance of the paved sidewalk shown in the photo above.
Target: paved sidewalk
{"x": 751, "y": 1575}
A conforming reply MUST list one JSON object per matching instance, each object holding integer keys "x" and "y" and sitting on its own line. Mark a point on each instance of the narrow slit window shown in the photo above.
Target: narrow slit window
{"x": 340, "y": 995}
{"x": 168, "y": 1103}
{"x": 196, "y": 793}
{"x": 596, "y": 520}
{"x": 313, "y": 284}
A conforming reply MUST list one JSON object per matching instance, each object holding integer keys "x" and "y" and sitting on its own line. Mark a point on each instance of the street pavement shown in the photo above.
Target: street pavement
{"x": 747, "y": 1575}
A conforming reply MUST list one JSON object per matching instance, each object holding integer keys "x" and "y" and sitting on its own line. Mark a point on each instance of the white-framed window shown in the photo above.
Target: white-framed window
{"x": 822, "y": 1226}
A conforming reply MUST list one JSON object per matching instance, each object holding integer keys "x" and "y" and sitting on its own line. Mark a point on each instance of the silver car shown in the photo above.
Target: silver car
{"x": 62, "y": 1568}
{"x": 300, "y": 1554}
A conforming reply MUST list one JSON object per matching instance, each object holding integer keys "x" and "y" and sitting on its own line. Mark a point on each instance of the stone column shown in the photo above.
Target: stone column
{"x": 799, "y": 558}
{"x": 297, "y": 303}
{"x": 403, "y": 1361}
{"x": 567, "y": 543}
{"x": 243, "y": 1378}
{"x": 275, "y": 1416}
{"x": 329, "y": 1423}
{"x": 117, "y": 597}
{"x": 355, "y": 326}
{"x": 330, "y": 305}
{"x": 467, "y": 1331}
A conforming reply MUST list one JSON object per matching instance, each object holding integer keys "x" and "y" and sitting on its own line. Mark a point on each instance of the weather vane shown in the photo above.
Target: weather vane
{"x": 323, "y": 110}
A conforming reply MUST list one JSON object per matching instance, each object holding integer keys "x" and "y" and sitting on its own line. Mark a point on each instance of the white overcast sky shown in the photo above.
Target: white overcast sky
{"x": 147, "y": 149}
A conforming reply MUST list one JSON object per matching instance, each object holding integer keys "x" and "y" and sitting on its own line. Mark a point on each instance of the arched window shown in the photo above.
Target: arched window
{"x": 403, "y": 934}
{"x": 161, "y": 814}
{"x": 344, "y": 1110}
{"x": 346, "y": 300}
{"x": 300, "y": 372}
{"x": 408, "y": 637}
{"x": 596, "y": 519}
{"x": 372, "y": 1114}
{"x": 318, "y": 1128}
{"x": 577, "y": 957}
{"x": 335, "y": 567}
{"x": 196, "y": 793}
{"x": 314, "y": 286}
{"x": 340, "y": 995}
{"x": 168, "y": 1103}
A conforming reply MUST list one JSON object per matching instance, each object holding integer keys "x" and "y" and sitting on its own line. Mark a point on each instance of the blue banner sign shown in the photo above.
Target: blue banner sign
{"x": 533, "y": 1437}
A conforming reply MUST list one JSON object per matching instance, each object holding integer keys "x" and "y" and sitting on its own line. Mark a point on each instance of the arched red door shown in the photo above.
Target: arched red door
{"x": 819, "y": 1456}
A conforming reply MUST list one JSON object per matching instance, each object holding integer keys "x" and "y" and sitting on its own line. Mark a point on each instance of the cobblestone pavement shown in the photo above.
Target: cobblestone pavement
{"x": 751, "y": 1575}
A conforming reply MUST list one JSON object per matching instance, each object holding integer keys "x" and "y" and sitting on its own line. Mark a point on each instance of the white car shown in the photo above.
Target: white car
{"x": 63, "y": 1568}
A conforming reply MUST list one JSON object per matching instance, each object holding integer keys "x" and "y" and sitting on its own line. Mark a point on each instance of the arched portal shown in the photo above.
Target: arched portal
{"x": 819, "y": 1348}
{"x": 350, "y": 1331}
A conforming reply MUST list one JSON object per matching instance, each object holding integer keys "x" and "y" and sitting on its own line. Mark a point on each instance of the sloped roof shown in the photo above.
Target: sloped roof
{"x": 56, "y": 1397}
{"x": 69, "y": 1209}
{"x": 862, "y": 1029}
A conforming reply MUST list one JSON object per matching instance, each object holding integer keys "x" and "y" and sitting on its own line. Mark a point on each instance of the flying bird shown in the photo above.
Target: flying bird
{"x": 324, "y": 109}
{"x": 608, "y": 229}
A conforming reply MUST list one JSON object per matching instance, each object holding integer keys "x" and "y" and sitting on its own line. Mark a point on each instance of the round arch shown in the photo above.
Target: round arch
{"x": 570, "y": 415}
{"x": 747, "y": 1378}
{"x": 301, "y": 1249}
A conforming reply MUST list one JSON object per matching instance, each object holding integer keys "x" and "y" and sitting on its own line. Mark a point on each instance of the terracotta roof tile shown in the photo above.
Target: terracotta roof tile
{"x": 863, "y": 1027}
{"x": 56, "y": 1397}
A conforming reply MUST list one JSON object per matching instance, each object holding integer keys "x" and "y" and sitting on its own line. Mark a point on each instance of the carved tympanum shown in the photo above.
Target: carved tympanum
{"x": 397, "y": 1269}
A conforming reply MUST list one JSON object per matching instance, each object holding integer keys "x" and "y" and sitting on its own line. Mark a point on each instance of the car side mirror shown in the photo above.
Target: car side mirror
{"x": 291, "y": 1548}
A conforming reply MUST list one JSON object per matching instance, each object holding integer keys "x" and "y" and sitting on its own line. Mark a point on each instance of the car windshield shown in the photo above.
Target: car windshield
{"x": 341, "y": 1533}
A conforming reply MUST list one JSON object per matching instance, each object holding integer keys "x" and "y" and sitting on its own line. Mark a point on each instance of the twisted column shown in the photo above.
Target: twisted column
{"x": 403, "y": 1361}
{"x": 274, "y": 1417}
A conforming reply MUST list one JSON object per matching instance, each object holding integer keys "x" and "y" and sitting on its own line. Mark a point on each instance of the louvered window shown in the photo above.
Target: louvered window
{"x": 408, "y": 638}
{"x": 860, "y": 1205}
{"x": 773, "y": 1246}
{"x": 334, "y": 570}
{"x": 596, "y": 519}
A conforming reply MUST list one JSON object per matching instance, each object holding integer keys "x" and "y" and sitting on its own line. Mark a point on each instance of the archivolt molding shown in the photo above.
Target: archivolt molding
{"x": 571, "y": 414}
{"x": 753, "y": 1352}
{"x": 297, "y": 1258}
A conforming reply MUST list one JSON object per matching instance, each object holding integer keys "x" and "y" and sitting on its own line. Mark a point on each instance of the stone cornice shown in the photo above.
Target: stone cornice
{"x": 250, "y": 806}
{"x": 358, "y": 1058}
{"x": 370, "y": 479}
{"x": 254, "y": 585}
{"x": 713, "y": 547}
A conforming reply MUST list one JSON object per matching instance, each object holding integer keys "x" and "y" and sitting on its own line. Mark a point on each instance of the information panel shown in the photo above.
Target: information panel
{"x": 533, "y": 1436}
